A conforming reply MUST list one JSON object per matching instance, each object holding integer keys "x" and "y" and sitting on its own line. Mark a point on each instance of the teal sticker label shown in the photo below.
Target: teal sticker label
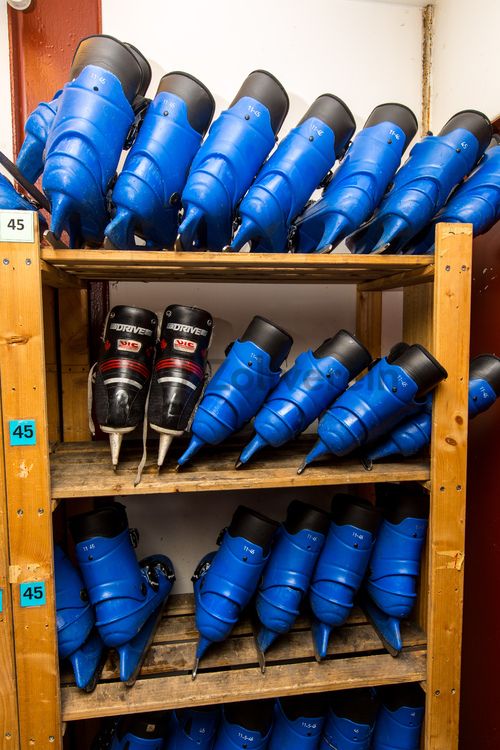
{"x": 22, "y": 432}
{"x": 32, "y": 594}
{"x": 1, "y": 601}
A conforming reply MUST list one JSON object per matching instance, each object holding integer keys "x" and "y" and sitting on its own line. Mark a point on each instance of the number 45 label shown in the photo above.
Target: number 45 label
{"x": 17, "y": 226}
{"x": 32, "y": 594}
{"x": 22, "y": 432}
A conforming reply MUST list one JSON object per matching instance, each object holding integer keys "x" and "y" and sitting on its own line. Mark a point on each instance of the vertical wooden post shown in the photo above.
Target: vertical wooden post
{"x": 23, "y": 389}
{"x": 369, "y": 320}
{"x": 9, "y": 729}
{"x": 452, "y": 296}
{"x": 74, "y": 339}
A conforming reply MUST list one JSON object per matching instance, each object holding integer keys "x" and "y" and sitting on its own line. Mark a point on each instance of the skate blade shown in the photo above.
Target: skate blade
{"x": 367, "y": 463}
{"x": 54, "y": 241}
{"x": 195, "y": 668}
{"x": 140, "y": 644}
{"x": 382, "y": 624}
{"x": 261, "y": 657}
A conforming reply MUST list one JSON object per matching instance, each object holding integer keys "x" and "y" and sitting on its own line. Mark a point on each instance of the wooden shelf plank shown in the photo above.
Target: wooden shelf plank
{"x": 84, "y": 470}
{"x": 289, "y": 268}
{"x": 230, "y": 672}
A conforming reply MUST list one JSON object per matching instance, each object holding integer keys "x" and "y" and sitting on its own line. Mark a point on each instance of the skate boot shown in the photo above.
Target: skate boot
{"x": 36, "y": 131}
{"x": 225, "y": 581}
{"x": 13, "y": 201}
{"x": 193, "y": 728}
{"x": 393, "y": 388}
{"x": 350, "y": 721}
{"x": 122, "y": 374}
{"x": 141, "y": 732}
{"x": 306, "y": 390}
{"x": 290, "y": 176}
{"x": 287, "y": 575}
{"x": 128, "y": 596}
{"x": 76, "y": 638}
{"x": 424, "y": 183}
{"x": 390, "y": 590}
{"x": 94, "y": 116}
{"x": 341, "y": 566}
{"x": 414, "y": 434}
{"x": 226, "y": 164}
{"x": 399, "y": 722}
{"x": 359, "y": 183}
{"x": 239, "y": 387}
{"x": 146, "y": 196}
{"x": 298, "y": 722}
{"x": 245, "y": 725}
{"x": 476, "y": 202}
{"x": 179, "y": 372}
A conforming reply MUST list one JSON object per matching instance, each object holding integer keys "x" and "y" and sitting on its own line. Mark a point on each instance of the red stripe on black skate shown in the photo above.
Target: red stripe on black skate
{"x": 118, "y": 364}
{"x": 180, "y": 364}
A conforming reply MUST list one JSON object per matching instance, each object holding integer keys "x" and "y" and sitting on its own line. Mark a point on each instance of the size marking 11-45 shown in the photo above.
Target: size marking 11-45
{"x": 32, "y": 594}
{"x": 22, "y": 431}
{"x": 17, "y": 226}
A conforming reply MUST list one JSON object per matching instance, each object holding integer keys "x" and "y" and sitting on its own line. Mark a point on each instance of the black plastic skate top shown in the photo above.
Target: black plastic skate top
{"x": 150, "y": 726}
{"x": 399, "y": 501}
{"x": 421, "y": 367}
{"x": 140, "y": 317}
{"x": 304, "y": 706}
{"x": 109, "y": 53}
{"x": 189, "y": 316}
{"x": 394, "y": 697}
{"x": 199, "y": 100}
{"x": 486, "y": 367}
{"x": 109, "y": 521}
{"x": 264, "y": 87}
{"x": 355, "y": 511}
{"x": 475, "y": 122}
{"x": 396, "y": 350}
{"x": 359, "y": 706}
{"x": 397, "y": 114}
{"x": 145, "y": 68}
{"x": 256, "y": 528}
{"x": 336, "y": 114}
{"x": 271, "y": 338}
{"x": 257, "y": 716}
{"x": 301, "y": 516}
{"x": 348, "y": 350}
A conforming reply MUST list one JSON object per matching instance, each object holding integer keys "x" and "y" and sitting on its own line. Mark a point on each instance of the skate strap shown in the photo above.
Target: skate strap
{"x": 90, "y": 383}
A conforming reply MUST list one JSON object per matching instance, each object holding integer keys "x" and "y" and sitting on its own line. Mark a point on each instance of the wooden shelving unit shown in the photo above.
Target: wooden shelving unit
{"x": 43, "y": 367}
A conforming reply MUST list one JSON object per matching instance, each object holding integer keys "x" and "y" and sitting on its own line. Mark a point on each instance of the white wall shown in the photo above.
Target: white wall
{"x": 5, "y": 108}
{"x": 366, "y": 53}
{"x": 464, "y": 69}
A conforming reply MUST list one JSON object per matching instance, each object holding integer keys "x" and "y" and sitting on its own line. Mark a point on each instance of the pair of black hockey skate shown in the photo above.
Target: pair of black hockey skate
{"x": 145, "y": 378}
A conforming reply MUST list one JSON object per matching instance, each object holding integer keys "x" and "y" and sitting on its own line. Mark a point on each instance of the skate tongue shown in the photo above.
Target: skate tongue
{"x": 256, "y": 444}
{"x": 193, "y": 448}
{"x": 321, "y": 635}
{"x": 115, "y": 443}
{"x": 318, "y": 451}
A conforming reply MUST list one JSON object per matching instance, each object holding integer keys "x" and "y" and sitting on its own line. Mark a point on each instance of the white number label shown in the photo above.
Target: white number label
{"x": 17, "y": 226}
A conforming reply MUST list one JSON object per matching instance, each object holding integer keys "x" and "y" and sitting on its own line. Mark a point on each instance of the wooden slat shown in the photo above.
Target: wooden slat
{"x": 394, "y": 281}
{"x": 9, "y": 729}
{"x": 369, "y": 320}
{"x": 110, "y": 699}
{"x": 452, "y": 293}
{"x": 229, "y": 267}
{"x": 23, "y": 389}
{"x": 84, "y": 470}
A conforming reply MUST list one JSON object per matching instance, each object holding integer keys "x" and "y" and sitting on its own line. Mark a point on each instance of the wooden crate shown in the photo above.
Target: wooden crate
{"x": 38, "y": 479}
